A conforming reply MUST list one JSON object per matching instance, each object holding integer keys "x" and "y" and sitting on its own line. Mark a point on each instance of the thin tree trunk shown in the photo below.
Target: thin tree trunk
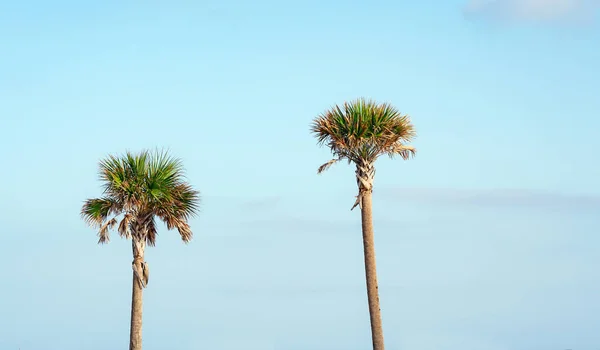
{"x": 371, "y": 271}
{"x": 135, "y": 330}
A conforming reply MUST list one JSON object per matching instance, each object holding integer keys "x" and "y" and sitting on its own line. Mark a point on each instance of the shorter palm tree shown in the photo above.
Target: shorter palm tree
{"x": 138, "y": 189}
{"x": 360, "y": 132}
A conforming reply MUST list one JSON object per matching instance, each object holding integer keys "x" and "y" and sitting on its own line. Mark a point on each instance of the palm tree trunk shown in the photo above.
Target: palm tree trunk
{"x": 371, "y": 270}
{"x": 135, "y": 330}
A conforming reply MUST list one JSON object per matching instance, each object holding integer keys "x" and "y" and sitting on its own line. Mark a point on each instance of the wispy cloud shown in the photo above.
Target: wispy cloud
{"x": 534, "y": 10}
{"x": 492, "y": 197}
{"x": 267, "y": 202}
{"x": 292, "y": 213}
{"x": 297, "y": 225}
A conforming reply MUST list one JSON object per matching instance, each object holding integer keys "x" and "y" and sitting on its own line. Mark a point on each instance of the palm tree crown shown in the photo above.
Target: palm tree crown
{"x": 362, "y": 130}
{"x": 141, "y": 187}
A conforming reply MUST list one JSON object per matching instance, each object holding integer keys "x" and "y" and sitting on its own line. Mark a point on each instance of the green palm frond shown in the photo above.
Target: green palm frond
{"x": 139, "y": 187}
{"x": 113, "y": 175}
{"x": 164, "y": 176}
{"x": 362, "y": 130}
{"x": 96, "y": 211}
{"x": 184, "y": 205}
{"x": 186, "y": 201}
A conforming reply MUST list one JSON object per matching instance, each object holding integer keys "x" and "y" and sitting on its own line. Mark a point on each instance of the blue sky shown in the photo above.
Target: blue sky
{"x": 487, "y": 240}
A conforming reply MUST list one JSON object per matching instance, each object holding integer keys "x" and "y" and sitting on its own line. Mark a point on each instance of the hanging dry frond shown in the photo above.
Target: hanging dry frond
{"x": 184, "y": 231}
{"x": 104, "y": 232}
{"x": 125, "y": 226}
{"x": 326, "y": 166}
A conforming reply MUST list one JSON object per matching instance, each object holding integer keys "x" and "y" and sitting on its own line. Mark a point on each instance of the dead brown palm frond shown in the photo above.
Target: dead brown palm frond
{"x": 104, "y": 232}
{"x": 184, "y": 231}
{"x": 405, "y": 152}
{"x": 145, "y": 273}
{"x": 125, "y": 226}
{"x": 327, "y": 165}
{"x": 151, "y": 232}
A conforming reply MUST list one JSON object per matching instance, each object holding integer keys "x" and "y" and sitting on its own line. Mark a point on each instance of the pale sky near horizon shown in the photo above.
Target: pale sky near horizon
{"x": 487, "y": 240}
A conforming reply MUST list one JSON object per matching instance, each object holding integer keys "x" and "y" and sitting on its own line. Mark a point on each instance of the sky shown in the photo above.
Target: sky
{"x": 487, "y": 240}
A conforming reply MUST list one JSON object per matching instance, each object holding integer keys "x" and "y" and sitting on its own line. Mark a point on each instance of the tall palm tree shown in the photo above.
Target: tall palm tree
{"x": 360, "y": 132}
{"x": 138, "y": 188}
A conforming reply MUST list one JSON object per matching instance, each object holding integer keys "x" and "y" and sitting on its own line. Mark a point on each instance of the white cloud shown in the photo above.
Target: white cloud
{"x": 496, "y": 198}
{"x": 536, "y": 10}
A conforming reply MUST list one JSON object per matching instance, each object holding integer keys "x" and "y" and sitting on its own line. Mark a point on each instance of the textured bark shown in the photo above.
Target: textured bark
{"x": 135, "y": 330}
{"x": 365, "y": 175}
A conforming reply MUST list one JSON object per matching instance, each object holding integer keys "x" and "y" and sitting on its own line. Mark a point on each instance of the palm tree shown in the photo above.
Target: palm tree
{"x": 138, "y": 188}
{"x": 360, "y": 132}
